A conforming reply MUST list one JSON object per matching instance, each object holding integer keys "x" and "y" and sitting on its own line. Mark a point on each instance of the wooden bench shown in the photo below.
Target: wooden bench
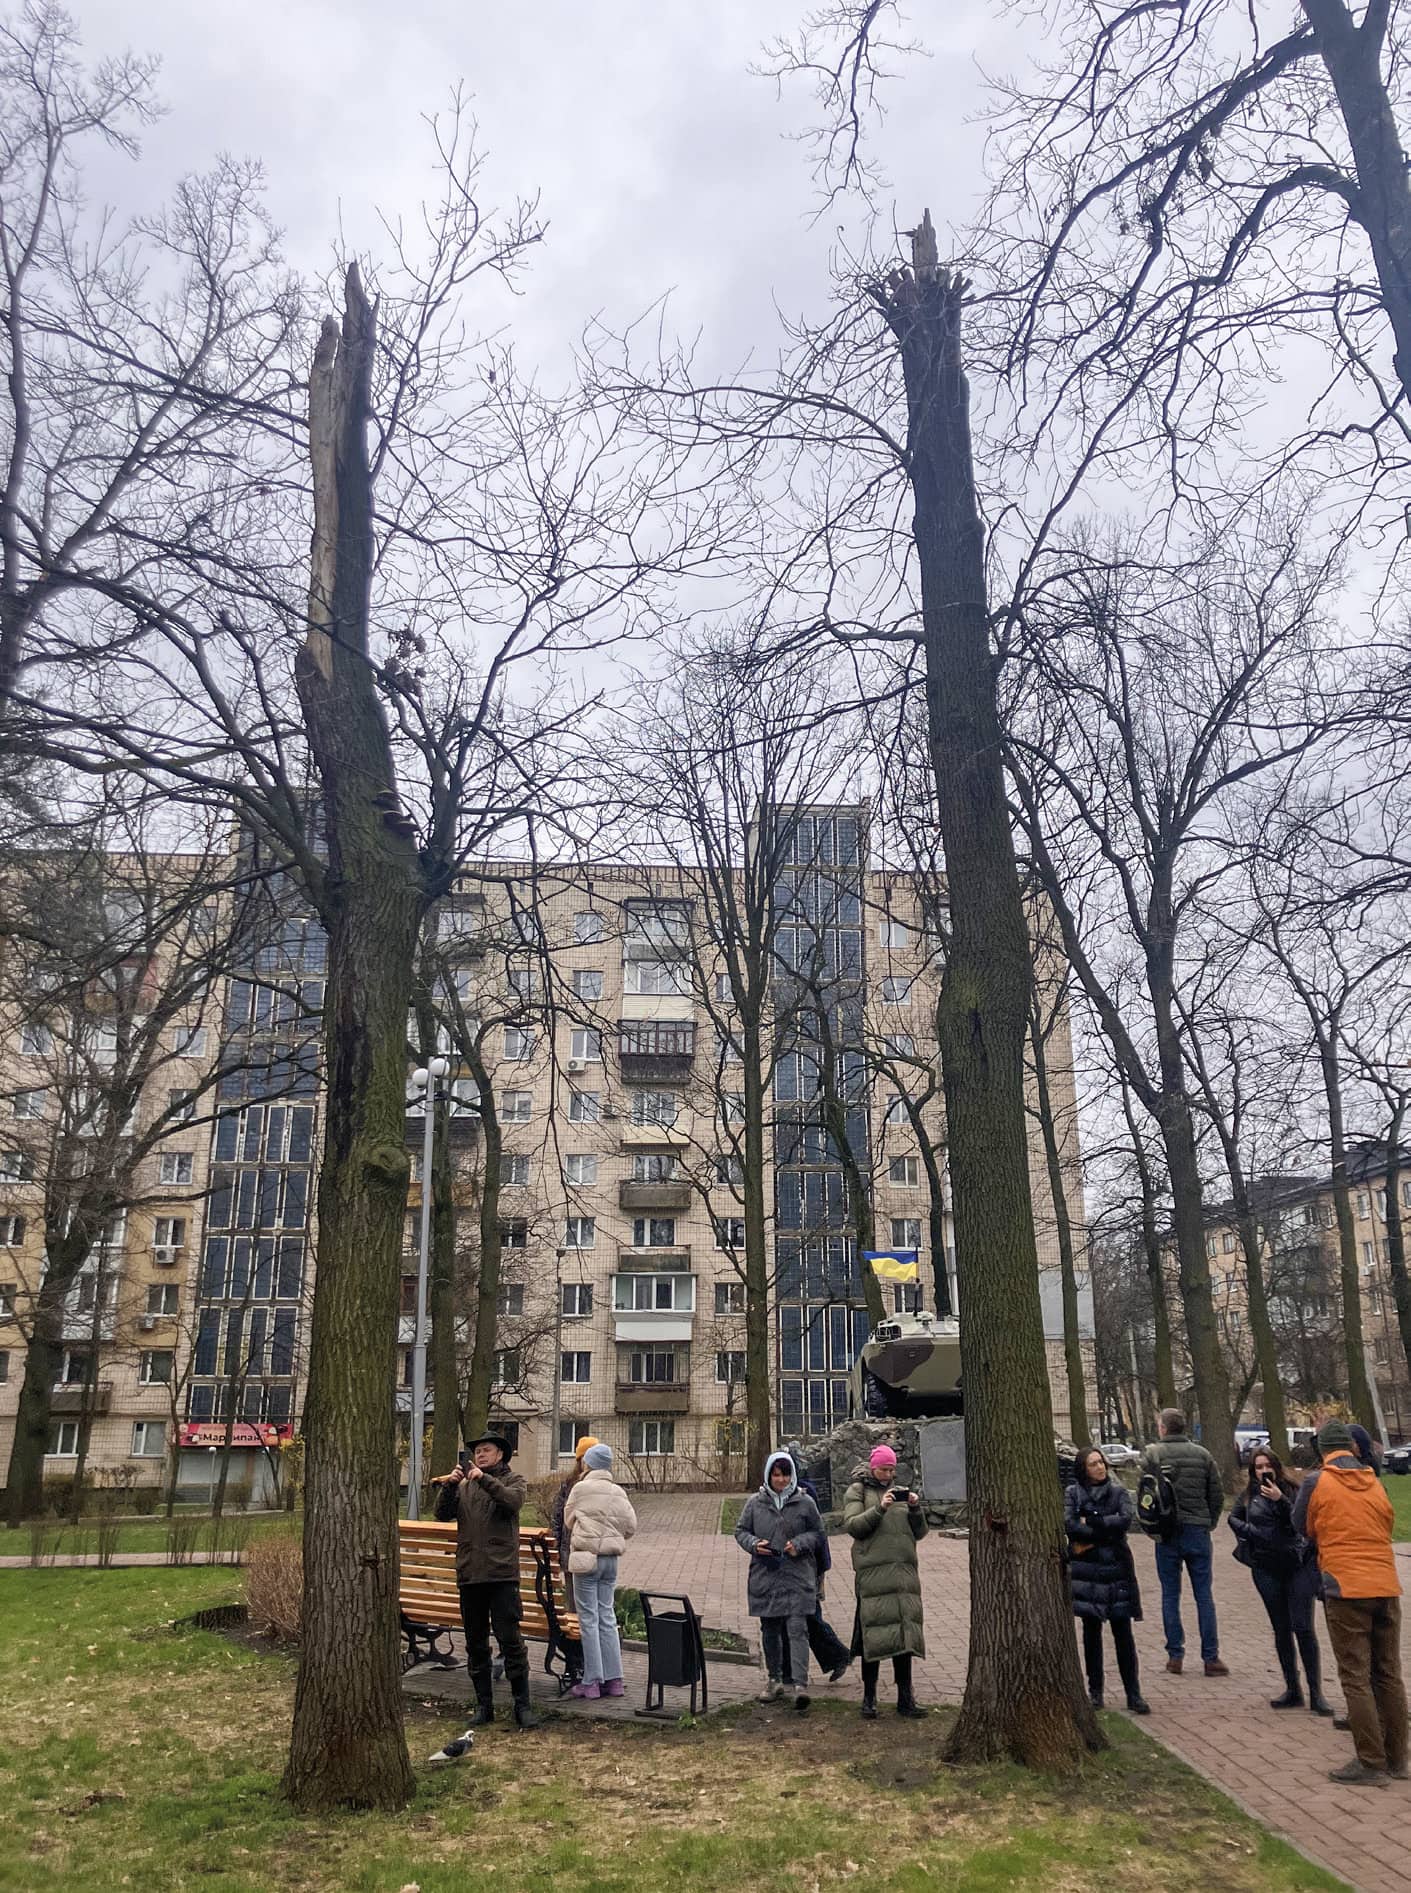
{"x": 430, "y": 1600}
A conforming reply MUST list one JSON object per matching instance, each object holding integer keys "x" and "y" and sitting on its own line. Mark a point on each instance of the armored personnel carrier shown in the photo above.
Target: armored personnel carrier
{"x": 909, "y": 1370}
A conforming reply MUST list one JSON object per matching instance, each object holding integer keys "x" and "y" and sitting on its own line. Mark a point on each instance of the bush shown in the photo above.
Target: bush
{"x": 182, "y": 1534}
{"x": 58, "y": 1495}
{"x": 228, "y": 1536}
{"x": 146, "y": 1499}
{"x": 543, "y": 1496}
{"x": 274, "y": 1585}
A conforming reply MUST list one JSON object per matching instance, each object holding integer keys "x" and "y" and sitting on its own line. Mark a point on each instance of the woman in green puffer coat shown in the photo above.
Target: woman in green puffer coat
{"x": 884, "y": 1530}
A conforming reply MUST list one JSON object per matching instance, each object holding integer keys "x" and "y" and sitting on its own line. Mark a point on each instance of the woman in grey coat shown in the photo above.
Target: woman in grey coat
{"x": 783, "y": 1534}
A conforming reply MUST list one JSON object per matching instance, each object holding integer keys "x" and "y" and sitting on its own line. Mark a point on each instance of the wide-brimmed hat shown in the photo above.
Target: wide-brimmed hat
{"x": 491, "y": 1439}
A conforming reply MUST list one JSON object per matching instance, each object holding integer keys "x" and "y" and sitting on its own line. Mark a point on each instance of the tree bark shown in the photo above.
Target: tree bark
{"x": 1396, "y": 1232}
{"x": 444, "y": 1361}
{"x": 1155, "y": 1272}
{"x": 759, "y": 1407}
{"x": 347, "y": 1746}
{"x": 935, "y": 1208}
{"x": 1024, "y": 1696}
{"x": 1359, "y": 1395}
{"x": 1079, "y": 1430}
{"x": 487, "y": 1287}
{"x": 64, "y": 1257}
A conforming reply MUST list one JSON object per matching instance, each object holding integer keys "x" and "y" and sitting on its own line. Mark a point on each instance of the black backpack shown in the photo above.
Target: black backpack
{"x": 1156, "y": 1502}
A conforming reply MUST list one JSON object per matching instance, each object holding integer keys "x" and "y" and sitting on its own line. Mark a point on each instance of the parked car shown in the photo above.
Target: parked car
{"x": 1248, "y": 1441}
{"x": 1397, "y": 1459}
{"x": 1118, "y": 1453}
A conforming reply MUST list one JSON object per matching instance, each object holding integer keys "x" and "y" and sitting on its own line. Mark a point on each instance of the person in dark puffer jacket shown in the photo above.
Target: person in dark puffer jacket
{"x": 1098, "y": 1513}
{"x": 1285, "y": 1575}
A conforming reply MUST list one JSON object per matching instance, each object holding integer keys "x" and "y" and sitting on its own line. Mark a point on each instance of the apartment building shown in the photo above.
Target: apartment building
{"x": 108, "y": 1041}
{"x": 1302, "y": 1265}
{"x": 601, "y": 1014}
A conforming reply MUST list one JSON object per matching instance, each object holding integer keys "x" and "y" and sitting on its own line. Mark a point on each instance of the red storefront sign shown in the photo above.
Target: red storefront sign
{"x": 243, "y": 1435}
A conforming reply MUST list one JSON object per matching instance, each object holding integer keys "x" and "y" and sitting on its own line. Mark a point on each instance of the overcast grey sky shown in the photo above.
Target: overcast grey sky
{"x": 663, "y": 163}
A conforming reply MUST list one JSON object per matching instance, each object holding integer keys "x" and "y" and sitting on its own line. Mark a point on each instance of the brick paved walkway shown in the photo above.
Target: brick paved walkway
{"x": 1275, "y": 1765}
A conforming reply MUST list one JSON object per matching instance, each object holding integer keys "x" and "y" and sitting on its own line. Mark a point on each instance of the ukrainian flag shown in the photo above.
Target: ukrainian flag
{"x": 893, "y": 1265}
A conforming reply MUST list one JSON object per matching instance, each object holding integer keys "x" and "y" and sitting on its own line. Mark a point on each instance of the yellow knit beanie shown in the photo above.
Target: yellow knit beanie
{"x": 587, "y": 1440}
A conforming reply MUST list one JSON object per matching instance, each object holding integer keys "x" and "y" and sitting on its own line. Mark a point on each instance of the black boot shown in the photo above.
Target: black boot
{"x": 906, "y": 1702}
{"x": 1137, "y": 1704}
{"x": 1292, "y": 1698}
{"x": 524, "y": 1716}
{"x": 870, "y": 1673}
{"x": 1319, "y": 1703}
{"x": 1095, "y": 1695}
{"x": 484, "y": 1712}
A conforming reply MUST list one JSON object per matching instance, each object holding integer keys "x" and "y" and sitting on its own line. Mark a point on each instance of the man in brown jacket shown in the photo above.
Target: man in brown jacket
{"x": 485, "y": 1498}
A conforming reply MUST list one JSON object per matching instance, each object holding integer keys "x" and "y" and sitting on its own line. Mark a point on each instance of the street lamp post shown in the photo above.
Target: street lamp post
{"x": 423, "y": 1080}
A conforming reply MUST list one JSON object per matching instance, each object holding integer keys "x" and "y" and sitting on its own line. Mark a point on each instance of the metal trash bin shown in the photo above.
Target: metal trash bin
{"x": 675, "y": 1652}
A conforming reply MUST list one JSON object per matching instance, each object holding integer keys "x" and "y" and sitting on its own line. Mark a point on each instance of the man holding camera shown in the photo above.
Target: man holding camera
{"x": 485, "y": 1497}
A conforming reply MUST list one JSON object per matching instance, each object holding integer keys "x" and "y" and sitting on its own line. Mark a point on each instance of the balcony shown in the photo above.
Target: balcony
{"x": 656, "y": 1050}
{"x": 66, "y": 1399}
{"x": 462, "y": 1127}
{"x": 675, "y": 1194}
{"x": 653, "y": 1396}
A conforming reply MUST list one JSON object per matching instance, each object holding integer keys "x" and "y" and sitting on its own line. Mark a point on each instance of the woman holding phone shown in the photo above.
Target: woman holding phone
{"x": 1098, "y": 1515}
{"x": 1285, "y": 1575}
{"x": 885, "y": 1522}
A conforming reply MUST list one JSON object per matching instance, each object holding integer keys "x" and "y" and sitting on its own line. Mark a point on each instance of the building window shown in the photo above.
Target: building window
{"x": 510, "y": 1300}
{"x": 896, "y": 1109}
{"x": 730, "y": 1437}
{"x": 896, "y": 990}
{"x": 507, "y": 1364}
{"x": 659, "y": 1294}
{"x": 906, "y": 1232}
{"x": 7, "y": 1301}
{"x": 11, "y": 1231}
{"x": 16, "y": 1166}
{"x": 729, "y": 1232}
{"x": 586, "y": 1045}
{"x": 1406, "y": 1192}
{"x": 906, "y": 1297}
{"x": 157, "y": 1367}
{"x": 149, "y": 1439}
{"x": 899, "y": 1045}
{"x": 28, "y": 1104}
{"x": 514, "y": 1233}
{"x": 513, "y": 1169}
{"x": 580, "y": 1232}
{"x": 189, "y": 1041}
{"x": 570, "y": 1432}
{"x": 36, "y": 1041}
{"x": 181, "y": 1106}
{"x": 729, "y": 1298}
{"x": 580, "y": 1170}
{"x": 654, "y": 1107}
{"x": 73, "y": 1368}
{"x": 175, "y": 1166}
{"x": 729, "y": 1051}
{"x": 1211, "y": 1247}
{"x": 902, "y": 1170}
{"x": 519, "y": 1043}
{"x": 575, "y": 1367}
{"x": 1227, "y": 1241}
{"x": 654, "y": 1166}
{"x": 163, "y": 1298}
{"x": 584, "y": 1107}
{"x": 657, "y": 977}
{"x": 653, "y": 1232}
{"x": 729, "y": 1365}
{"x": 576, "y": 1300}
{"x": 1363, "y": 1203}
{"x": 520, "y": 980}
{"x": 894, "y": 933}
{"x": 654, "y": 1367}
{"x": 588, "y": 983}
{"x": 1369, "y": 1254}
{"x": 588, "y": 929}
{"x": 63, "y": 1440}
{"x": 508, "y": 1431}
{"x": 169, "y": 1232}
{"x": 651, "y": 1439}
{"x": 729, "y": 1170}
{"x": 516, "y": 1106}
{"x": 4, "y": 1365}
{"x": 722, "y": 989}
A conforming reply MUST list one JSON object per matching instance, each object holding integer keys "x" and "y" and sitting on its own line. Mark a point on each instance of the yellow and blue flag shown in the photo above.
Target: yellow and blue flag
{"x": 893, "y": 1265}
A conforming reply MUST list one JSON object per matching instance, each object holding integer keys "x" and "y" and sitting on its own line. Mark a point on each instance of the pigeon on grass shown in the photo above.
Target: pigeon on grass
{"x": 454, "y": 1751}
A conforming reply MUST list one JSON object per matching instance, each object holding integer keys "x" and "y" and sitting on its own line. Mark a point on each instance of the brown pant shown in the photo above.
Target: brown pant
{"x": 1366, "y": 1640}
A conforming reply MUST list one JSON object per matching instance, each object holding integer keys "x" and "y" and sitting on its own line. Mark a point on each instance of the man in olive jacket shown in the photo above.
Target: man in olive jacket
{"x": 1200, "y": 1499}
{"x": 485, "y": 1499}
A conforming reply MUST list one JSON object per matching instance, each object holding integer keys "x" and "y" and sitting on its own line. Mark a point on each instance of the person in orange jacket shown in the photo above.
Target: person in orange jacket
{"x": 1347, "y": 1517}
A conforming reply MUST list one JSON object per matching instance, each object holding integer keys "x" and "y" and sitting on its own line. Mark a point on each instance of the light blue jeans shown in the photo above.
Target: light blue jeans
{"x": 597, "y": 1622}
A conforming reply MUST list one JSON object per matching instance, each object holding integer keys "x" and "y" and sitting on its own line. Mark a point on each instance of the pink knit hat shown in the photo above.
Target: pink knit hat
{"x": 883, "y": 1459}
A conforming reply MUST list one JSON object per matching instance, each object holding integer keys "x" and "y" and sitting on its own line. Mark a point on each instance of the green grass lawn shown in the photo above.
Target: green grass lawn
{"x": 1398, "y": 1490}
{"x": 730, "y": 1510}
{"x": 132, "y": 1755}
{"x": 141, "y": 1534}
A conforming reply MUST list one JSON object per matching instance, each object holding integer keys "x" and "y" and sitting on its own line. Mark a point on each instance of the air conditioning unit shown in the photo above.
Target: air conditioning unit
{"x": 146, "y": 1323}
{"x": 578, "y": 1064}
{"x": 166, "y": 1258}
{"x": 607, "y": 1113}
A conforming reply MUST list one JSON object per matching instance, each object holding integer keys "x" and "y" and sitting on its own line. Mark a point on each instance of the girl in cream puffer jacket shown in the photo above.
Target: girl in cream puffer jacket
{"x": 600, "y": 1520}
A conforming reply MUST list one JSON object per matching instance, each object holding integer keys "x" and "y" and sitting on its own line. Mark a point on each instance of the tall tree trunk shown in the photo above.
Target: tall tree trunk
{"x": 1359, "y": 1393}
{"x": 347, "y": 1746}
{"x": 759, "y": 1379}
{"x": 1024, "y": 1696}
{"x": 935, "y": 1209}
{"x": 1155, "y": 1272}
{"x": 64, "y": 1257}
{"x": 1396, "y": 1232}
{"x": 444, "y": 1360}
{"x": 487, "y": 1288}
{"x": 1079, "y": 1430}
